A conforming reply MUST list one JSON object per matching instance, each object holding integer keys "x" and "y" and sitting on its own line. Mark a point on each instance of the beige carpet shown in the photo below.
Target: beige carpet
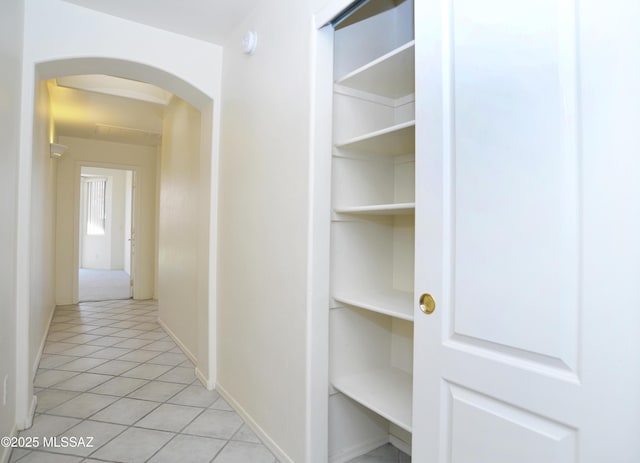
{"x": 103, "y": 285}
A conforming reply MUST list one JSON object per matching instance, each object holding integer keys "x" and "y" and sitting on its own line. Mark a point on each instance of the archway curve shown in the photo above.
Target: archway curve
{"x": 127, "y": 69}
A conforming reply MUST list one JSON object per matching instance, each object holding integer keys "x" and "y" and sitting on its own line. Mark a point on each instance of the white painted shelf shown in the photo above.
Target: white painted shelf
{"x": 380, "y": 209}
{"x": 373, "y": 211}
{"x": 392, "y": 302}
{"x": 393, "y": 141}
{"x": 392, "y": 75}
{"x": 386, "y": 391}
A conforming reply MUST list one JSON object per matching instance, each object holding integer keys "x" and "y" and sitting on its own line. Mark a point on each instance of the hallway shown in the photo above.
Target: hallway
{"x": 110, "y": 372}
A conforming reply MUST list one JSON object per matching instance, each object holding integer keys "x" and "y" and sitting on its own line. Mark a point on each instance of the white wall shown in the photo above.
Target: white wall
{"x": 182, "y": 210}
{"x": 11, "y": 17}
{"x": 84, "y": 38}
{"x": 263, "y": 223}
{"x": 43, "y": 219}
{"x": 95, "y": 153}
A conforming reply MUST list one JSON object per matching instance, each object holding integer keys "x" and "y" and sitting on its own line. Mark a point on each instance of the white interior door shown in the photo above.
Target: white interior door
{"x": 129, "y": 227}
{"x": 528, "y": 232}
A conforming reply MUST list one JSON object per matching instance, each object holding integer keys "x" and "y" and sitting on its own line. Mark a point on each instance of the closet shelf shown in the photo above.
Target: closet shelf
{"x": 380, "y": 209}
{"x": 386, "y": 391}
{"x": 393, "y": 141}
{"x": 392, "y": 75}
{"x": 392, "y": 302}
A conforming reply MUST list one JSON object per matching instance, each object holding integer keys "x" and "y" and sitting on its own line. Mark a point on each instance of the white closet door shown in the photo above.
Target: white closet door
{"x": 527, "y": 232}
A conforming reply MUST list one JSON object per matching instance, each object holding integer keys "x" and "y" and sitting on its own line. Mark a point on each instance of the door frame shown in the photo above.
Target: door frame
{"x": 77, "y": 216}
{"x": 319, "y": 230}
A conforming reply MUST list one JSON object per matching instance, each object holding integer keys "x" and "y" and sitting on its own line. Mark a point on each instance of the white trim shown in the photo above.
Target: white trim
{"x": 23, "y": 385}
{"x": 32, "y": 412}
{"x": 332, "y": 9}
{"x": 5, "y": 452}
{"x": 403, "y": 100}
{"x": 206, "y": 382}
{"x": 262, "y": 435}
{"x": 366, "y": 96}
{"x": 358, "y": 450}
{"x": 400, "y": 444}
{"x": 78, "y": 165}
{"x": 175, "y": 338}
{"x": 318, "y": 230}
{"x": 214, "y": 206}
{"x": 75, "y": 282}
{"x": 36, "y": 363}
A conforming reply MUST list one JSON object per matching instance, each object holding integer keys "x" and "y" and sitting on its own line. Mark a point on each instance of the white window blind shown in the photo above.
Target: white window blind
{"x": 96, "y": 189}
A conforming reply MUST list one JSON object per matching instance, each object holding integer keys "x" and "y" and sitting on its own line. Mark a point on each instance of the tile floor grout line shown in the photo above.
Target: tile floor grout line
{"x": 139, "y": 329}
{"x": 176, "y": 434}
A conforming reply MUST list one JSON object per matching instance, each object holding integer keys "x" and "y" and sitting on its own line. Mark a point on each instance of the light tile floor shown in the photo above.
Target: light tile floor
{"x": 110, "y": 372}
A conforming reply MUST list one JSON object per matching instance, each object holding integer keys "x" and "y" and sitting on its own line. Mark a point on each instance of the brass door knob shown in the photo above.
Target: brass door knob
{"x": 427, "y": 303}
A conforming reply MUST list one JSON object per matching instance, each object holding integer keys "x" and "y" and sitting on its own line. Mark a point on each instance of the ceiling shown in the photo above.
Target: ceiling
{"x": 108, "y": 108}
{"x": 209, "y": 20}
{"x": 109, "y": 111}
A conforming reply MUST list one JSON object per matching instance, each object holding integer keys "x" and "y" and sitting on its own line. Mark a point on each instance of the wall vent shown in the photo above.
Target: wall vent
{"x": 128, "y": 135}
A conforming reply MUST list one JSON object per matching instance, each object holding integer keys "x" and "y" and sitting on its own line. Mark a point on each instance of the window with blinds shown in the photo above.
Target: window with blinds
{"x": 96, "y": 188}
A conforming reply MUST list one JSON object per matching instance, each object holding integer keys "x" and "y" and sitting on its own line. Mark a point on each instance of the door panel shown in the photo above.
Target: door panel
{"x": 487, "y": 430}
{"x": 514, "y": 190}
{"x": 533, "y": 351}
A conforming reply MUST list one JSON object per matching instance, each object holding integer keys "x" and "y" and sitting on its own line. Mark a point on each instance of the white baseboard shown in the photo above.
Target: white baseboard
{"x": 206, "y": 382}
{"x": 34, "y": 367}
{"x": 32, "y": 412}
{"x": 177, "y": 340}
{"x": 357, "y": 451}
{"x": 400, "y": 444}
{"x": 5, "y": 452}
{"x": 264, "y": 437}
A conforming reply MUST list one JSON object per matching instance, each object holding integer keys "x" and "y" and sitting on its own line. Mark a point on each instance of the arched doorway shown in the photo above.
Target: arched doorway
{"x": 204, "y": 324}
